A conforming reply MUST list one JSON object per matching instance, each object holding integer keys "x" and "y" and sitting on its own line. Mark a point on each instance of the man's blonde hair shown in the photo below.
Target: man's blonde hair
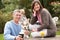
{"x": 17, "y": 10}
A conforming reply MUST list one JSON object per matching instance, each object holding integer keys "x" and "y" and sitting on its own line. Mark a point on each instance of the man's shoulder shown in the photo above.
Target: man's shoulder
{"x": 9, "y": 22}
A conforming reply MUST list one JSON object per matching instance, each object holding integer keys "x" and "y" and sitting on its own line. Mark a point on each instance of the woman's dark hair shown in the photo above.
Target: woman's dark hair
{"x": 33, "y": 3}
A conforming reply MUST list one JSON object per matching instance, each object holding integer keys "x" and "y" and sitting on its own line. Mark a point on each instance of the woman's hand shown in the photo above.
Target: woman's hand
{"x": 34, "y": 13}
{"x": 34, "y": 30}
{"x": 27, "y": 32}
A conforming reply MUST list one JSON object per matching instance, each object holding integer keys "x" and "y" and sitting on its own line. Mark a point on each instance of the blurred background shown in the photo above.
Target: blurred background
{"x": 7, "y": 6}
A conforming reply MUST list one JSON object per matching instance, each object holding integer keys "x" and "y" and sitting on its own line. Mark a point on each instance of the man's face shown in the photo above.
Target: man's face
{"x": 17, "y": 16}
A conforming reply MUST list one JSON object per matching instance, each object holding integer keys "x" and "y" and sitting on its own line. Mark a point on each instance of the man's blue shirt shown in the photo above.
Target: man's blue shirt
{"x": 11, "y": 30}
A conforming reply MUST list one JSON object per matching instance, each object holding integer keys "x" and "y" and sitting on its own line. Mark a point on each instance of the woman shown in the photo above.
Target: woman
{"x": 44, "y": 18}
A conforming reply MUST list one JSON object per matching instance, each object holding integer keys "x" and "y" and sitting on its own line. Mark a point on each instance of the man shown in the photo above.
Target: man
{"x": 12, "y": 28}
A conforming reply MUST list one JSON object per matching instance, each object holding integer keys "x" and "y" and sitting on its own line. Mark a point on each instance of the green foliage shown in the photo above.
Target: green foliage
{"x": 3, "y": 19}
{"x": 2, "y": 22}
{"x": 56, "y": 9}
{"x": 53, "y": 9}
{"x": 26, "y": 4}
{"x": 10, "y": 5}
{"x": 1, "y": 5}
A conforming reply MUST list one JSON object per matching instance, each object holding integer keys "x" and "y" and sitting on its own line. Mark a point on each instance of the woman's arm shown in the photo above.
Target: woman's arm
{"x": 33, "y": 19}
{"x": 53, "y": 28}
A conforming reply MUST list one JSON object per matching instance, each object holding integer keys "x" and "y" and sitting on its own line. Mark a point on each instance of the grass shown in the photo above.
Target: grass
{"x": 1, "y": 35}
{"x": 58, "y": 33}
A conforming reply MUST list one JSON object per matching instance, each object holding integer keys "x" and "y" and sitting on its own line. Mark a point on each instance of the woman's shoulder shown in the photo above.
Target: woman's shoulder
{"x": 44, "y": 10}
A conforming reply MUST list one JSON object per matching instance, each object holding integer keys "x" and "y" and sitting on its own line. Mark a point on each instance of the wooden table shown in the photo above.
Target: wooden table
{"x": 43, "y": 39}
{"x": 51, "y": 38}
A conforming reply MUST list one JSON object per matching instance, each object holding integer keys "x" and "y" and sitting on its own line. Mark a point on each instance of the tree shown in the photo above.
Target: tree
{"x": 10, "y": 5}
{"x": 47, "y": 4}
{"x": 1, "y": 5}
{"x": 26, "y": 4}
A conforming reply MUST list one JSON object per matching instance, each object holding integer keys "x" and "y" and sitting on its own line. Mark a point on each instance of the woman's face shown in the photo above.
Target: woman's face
{"x": 36, "y": 7}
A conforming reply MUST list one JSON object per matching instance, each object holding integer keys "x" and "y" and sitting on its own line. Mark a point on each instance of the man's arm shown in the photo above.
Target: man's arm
{"x": 7, "y": 32}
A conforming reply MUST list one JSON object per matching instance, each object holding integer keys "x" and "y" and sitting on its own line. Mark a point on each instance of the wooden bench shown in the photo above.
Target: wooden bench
{"x": 51, "y": 38}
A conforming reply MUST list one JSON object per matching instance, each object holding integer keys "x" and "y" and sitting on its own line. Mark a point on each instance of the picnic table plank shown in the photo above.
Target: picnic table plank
{"x": 51, "y": 38}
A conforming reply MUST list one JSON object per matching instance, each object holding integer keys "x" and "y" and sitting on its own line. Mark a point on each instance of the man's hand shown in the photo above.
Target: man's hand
{"x": 19, "y": 38}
